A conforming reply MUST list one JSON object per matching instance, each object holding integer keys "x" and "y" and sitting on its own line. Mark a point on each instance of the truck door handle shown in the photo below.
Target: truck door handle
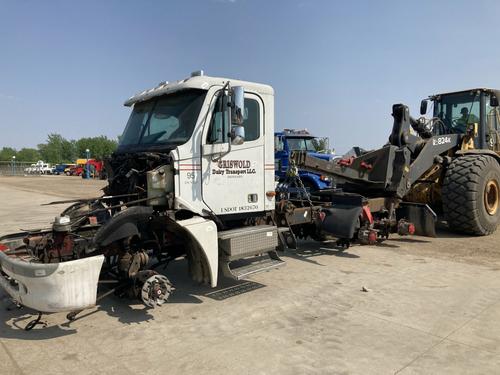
{"x": 253, "y": 198}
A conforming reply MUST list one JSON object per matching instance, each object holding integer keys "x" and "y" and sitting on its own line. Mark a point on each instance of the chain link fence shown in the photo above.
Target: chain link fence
{"x": 15, "y": 168}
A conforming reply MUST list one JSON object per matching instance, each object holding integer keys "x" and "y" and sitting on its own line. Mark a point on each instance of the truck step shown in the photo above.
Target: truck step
{"x": 252, "y": 267}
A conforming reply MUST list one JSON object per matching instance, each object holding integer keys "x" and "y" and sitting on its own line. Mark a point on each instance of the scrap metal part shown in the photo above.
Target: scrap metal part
{"x": 51, "y": 287}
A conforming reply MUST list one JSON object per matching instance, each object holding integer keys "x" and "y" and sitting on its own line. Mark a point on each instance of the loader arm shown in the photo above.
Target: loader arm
{"x": 435, "y": 146}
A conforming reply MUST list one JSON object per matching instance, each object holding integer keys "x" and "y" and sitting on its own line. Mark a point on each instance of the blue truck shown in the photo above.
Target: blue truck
{"x": 292, "y": 140}
{"x": 59, "y": 169}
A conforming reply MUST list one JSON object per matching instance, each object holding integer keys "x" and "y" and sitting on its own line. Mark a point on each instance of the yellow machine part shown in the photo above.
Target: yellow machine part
{"x": 427, "y": 189}
{"x": 468, "y": 139}
{"x": 81, "y": 161}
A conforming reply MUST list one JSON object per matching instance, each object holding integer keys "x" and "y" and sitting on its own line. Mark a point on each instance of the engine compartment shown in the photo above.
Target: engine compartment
{"x": 132, "y": 237}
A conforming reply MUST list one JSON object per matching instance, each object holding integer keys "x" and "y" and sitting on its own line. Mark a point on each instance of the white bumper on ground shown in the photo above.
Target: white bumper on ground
{"x": 51, "y": 287}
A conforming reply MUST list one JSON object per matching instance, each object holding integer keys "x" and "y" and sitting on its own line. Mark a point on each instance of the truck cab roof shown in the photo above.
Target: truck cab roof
{"x": 295, "y": 133}
{"x": 196, "y": 81}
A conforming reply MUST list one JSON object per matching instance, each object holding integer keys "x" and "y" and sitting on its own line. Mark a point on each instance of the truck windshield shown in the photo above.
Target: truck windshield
{"x": 168, "y": 119}
{"x": 301, "y": 144}
{"x": 458, "y": 110}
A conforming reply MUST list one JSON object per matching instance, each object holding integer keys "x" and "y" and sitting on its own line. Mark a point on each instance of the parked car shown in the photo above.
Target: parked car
{"x": 45, "y": 168}
{"x": 95, "y": 168}
{"x": 59, "y": 169}
{"x": 73, "y": 170}
{"x": 40, "y": 167}
{"x": 30, "y": 169}
{"x": 67, "y": 170}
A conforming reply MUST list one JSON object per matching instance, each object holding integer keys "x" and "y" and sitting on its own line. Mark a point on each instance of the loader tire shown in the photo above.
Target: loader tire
{"x": 471, "y": 195}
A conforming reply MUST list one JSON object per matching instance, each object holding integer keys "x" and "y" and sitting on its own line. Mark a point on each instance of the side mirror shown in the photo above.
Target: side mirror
{"x": 238, "y": 105}
{"x": 237, "y": 135}
{"x": 423, "y": 107}
{"x": 493, "y": 101}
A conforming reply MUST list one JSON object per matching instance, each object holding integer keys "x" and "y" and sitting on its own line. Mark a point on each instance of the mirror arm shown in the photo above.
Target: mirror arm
{"x": 228, "y": 133}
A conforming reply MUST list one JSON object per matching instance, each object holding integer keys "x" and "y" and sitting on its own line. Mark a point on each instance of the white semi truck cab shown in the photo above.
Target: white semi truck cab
{"x": 222, "y": 156}
{"x": 213, "y": 141}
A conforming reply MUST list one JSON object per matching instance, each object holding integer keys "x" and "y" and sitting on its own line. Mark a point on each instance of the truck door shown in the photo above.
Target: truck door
{"x": 234, "y": 183}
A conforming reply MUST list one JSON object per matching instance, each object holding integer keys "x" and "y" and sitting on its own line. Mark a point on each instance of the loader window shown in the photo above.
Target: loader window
{"x": 457, "y": 111}
{"x": 493, "y": 116}
{"x": 492, "y": 126}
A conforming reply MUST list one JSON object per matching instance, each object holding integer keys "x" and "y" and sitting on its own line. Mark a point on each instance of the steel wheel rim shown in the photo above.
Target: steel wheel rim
{"x": 491, "y": 197}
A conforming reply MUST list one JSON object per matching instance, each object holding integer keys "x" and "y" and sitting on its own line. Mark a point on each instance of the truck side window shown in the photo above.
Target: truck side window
{"x": 251, "y": 122}
{"x": 215, "y": 134}
{"x": 278, "y": 143}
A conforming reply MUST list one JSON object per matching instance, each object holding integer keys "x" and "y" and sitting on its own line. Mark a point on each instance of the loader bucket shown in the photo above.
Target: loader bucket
{"x": 421, "y": 215}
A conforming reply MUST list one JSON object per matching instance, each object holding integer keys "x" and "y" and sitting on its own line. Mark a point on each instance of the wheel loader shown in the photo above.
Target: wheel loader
{"x": 449, "y": 162}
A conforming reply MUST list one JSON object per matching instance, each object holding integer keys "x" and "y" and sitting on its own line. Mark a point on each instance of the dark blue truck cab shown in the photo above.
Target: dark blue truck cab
{"x": 59, "y": 169}
{"x": 291, "y": 140}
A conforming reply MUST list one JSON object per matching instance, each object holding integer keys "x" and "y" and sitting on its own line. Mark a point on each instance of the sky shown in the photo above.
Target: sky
{"x": 336, "y": 66}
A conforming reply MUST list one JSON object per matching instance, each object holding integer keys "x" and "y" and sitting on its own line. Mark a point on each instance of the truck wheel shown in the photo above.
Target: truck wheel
{"x": 471, "y": 194}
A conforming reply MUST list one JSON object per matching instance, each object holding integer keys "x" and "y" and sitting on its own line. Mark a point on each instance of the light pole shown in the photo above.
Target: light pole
{"x": 14, "y": 165}
{"x": 87, "y": 165}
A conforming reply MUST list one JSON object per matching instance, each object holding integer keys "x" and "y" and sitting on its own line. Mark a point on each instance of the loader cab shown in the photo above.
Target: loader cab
{"x": 458, "y": 112}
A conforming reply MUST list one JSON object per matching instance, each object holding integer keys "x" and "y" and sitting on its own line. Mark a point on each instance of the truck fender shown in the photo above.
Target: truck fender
{"x": 202, "y": 247}
{"x": 182, "y": 204}
{"x": 122, "y": 225}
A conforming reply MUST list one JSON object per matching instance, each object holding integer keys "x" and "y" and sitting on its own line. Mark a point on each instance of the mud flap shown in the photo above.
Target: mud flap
{"x": 421, "y": 215}
{"x": 341, "y": 221}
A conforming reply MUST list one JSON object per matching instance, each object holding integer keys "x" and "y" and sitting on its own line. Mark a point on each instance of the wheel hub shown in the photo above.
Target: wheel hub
{"x": 156, "y": 290}
{"x": 491, "y": 197}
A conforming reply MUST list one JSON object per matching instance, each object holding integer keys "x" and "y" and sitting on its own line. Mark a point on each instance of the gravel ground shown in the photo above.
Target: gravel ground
{"x": 432, "y": 306}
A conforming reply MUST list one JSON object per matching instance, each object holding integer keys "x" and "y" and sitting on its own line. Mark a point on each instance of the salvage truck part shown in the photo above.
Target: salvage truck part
{"x": 193, "y": 177}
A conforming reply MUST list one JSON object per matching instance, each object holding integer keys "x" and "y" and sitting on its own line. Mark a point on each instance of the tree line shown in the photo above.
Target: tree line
{"x": 58, "y": 149}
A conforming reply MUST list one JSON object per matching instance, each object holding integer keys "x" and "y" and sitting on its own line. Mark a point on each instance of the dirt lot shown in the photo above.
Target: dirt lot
{"x": 433, "y": 307}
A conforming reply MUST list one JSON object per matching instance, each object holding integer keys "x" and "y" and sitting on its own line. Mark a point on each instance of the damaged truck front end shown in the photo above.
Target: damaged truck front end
{"x": 118, "y": 239}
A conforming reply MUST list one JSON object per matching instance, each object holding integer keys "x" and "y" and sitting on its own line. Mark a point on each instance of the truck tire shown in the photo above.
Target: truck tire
{"x": 471, "y": 194}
